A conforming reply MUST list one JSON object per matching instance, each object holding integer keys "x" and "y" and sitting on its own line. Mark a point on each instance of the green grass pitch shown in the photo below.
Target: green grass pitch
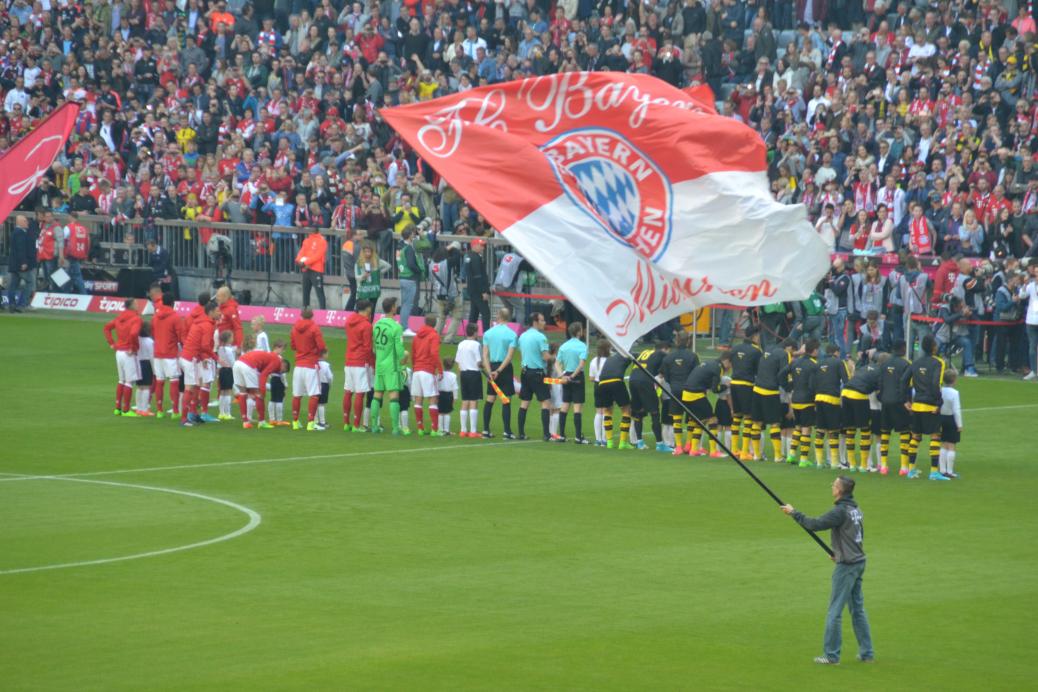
{"x": 449, "y": 564}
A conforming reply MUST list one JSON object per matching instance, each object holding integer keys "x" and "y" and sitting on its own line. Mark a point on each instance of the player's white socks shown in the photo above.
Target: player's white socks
{"x": 464, "y": 421}
{"x": 365, "y": 417}
{"x": 320, "y": 414}
{"x": 445, "y": 422}
{"x": 403, "y": 420}
{"x": 271, "y": 408}
{"x": 668, "y": 435}
{"x": 143, "y": 398}
{"x": 553, "y": 424}
{"x": 843, "y": 451}
{"x": 632, "y": 435}
{"x": 250, "y": 408}
{"x": 940, "y": 460}
{"x": 728, "y": 438}
{"x": 949, "y": 460}
{"x": 599, "y": 427}
{"x": 279, "y": 411}
{"x": 473, "y": 419}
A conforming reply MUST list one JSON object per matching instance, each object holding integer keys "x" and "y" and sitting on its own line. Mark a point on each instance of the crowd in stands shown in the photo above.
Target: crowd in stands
{"x": 901, "y": 126}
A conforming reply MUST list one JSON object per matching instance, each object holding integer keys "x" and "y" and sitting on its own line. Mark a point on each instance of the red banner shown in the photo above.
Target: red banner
{"x": 27, "y": 161}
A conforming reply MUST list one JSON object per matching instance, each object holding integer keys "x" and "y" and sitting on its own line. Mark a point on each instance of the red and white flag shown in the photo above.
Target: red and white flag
{"x": 29, "y": 159}
{"x": 633, "y": 197}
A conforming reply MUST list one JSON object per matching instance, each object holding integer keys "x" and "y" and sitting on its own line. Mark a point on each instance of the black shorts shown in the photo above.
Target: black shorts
{"x": 445, "y": 402}
{"x": 804, "y": 417}
{"x": 896, "y": 417}
{"x": 643, "y": 397}
{"x": 742, "y": 399}
{"x": 613, "y": 393}
{"x": 949, "y": 431}
{"x": 325, "y": 388}
{"x": 574, "y": 391}
{"x": 471, "y": 385}
{"x": 723, "y": 413}
{"x": 926, "y": 423}
{"x": 876, "y": 421}
{"x": 855, "y": 413}
{"x": 532, "y": 383}
{"x": 225, "y": 376}
{"x": 767, "y": 409}
{"x": 180, "y": 380}
{"x": 700, "y": 408}
{"x": 674, "y": 408}
{"x": 147, "y": 376}
{"x": 827, "y": 416}
{"x": 597, "y": 393}
{"x": 505, "y": 381}
{"x": 788, "y": 422}
{"x": 403, "y": 398}
{"x": 277, "y": 390}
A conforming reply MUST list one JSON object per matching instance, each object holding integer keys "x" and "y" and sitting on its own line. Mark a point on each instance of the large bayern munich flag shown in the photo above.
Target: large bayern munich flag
{"x": 633, "y": 197}
{"x": 24, "y": 164}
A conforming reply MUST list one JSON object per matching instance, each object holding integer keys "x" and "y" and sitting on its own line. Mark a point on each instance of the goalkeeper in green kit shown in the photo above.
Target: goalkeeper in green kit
{"x": 387, "y": 339}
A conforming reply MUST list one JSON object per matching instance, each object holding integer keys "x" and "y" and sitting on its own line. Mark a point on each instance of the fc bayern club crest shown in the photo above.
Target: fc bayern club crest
{"x": 621, "y": 188}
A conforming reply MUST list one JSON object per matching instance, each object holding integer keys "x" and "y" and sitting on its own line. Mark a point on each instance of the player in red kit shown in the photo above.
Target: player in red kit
{"x": 250, "y": 377}
{"x": 198, "y": 312}
{"x": 425, "y": 355}
{"x": 360, "y": 363}
{"x": 196, "y": 360}
{"x": 127, "y": 327}
{"x": 167, "y": 330}
{"x": 229, "y": 319}
{"x": 308, "y": 343}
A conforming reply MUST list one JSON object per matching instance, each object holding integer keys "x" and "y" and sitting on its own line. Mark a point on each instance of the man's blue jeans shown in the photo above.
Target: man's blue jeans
{"x": 408, "y": 293}
{"x": 847, "y": 592}
{"x": 837, "y": 329}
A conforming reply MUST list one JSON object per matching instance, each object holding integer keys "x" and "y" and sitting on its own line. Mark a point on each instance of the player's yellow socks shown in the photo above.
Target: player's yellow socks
{"x": 693, "y": 442}
{"x": 866, "y": 448}
{"x": 805, "y": 448}
{"x": 625, "y": 429}
{"x": 819, "y": 447}
{"x": 834, "y": 448}
{"x": 755, "y": 439}
{"x": 678, "y": 430}
{"x": 736, "y": 432}
{"x": 913, "y": 452}
{"x": 776, "y": 443}
{"x": 849, "y": 443}
{"x": 713, "y": 442}
{"x": 884, "y": 449}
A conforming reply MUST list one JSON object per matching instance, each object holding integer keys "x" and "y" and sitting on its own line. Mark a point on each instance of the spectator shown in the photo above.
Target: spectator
{"x": 21, "y": 265}
{"x": 411, "y": 273}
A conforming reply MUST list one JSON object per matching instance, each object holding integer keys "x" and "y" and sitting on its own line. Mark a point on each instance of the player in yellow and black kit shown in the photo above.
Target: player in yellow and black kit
{"x": 857, "y": 417}
{"x": 799, "y": 377}
{"x": 705, "y": 378}
{"x": 745, "y": 358}
{"x": 924, "y": 379}
{"x": 613, "y": 391}
{"x": 767, "y": 400}
{"x": 833, "y": 374}
{"x": 644, "y": 400}
{"x": 893, "y": 394}
{"x": 675, "y": 370}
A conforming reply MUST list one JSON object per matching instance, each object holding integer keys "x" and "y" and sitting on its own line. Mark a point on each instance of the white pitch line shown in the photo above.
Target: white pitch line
{"x": 254, "y": 520}
{"x": 244, "y": 462}
{"x": 998, "y": 408}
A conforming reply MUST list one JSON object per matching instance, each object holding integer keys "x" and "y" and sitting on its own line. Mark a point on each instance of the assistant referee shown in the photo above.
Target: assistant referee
{"x": 499, "y": 344}
{"x": 535, "y": 356}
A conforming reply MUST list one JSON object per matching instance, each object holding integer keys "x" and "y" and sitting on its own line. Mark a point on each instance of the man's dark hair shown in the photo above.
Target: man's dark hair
{"x": 575, "y": 329}
{"x": 128, "y": 303}
{"x": 899, "y": 348}
{"x": 751, "y": 331}
{"x": 534, "y": 316}
{"x": 204, "y": 298}
{"x": 789, "y": 343}
{"x": 168, "y": 300}
{"x": 831, "y": 349}
{"x": 725, "y": 356}
{"x": 362, "y": 305}
{"x": 210, "y": 306}
{"x": 306, "y": 313}
{"x": 811, "y": 345}
{"x": 846, "y": 486}
{"x": 388, "y": 304}
{"x": 471, "y": 328}
{"x": 430, "y": 320}
{"x": 929, "y": 344}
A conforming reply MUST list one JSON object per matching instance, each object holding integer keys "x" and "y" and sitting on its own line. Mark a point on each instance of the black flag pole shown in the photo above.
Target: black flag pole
{"x": 720, "y": 443}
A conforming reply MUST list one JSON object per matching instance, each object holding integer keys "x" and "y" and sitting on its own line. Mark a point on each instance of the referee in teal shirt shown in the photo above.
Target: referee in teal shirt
{"x": 499, "y": 344}
{"x": 534, "y": 354}
{"x": 572, "y": 356}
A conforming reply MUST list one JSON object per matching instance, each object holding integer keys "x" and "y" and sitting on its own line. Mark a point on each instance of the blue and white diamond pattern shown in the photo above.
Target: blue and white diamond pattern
{"x": 611, "y": 191}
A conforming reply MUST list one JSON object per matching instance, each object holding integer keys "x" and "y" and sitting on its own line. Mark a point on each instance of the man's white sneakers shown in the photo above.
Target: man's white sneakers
{"x": 408, "y": 332}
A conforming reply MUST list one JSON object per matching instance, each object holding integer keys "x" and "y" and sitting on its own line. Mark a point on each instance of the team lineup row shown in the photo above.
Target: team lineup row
{"x": 817, "y": 410}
